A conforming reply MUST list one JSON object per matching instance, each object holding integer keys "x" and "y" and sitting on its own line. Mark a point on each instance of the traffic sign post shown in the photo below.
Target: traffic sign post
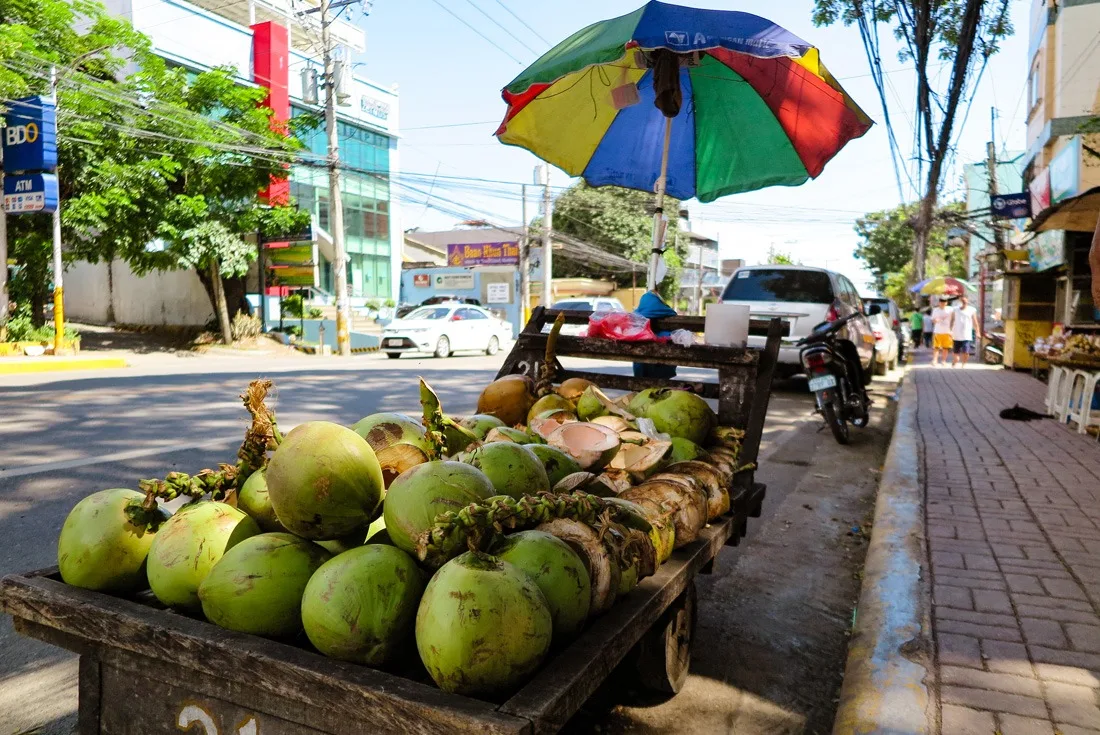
{"x": 29, "y": 141}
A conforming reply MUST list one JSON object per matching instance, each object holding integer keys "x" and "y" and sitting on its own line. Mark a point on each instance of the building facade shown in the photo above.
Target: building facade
{"x": 1061, "y": 161}
{"x": 276, "y": 44}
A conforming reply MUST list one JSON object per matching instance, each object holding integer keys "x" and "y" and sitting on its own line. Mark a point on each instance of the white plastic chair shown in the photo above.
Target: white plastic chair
{"x": 1059, "y": 407}
{"x": 1082, "y": 388}
{"x": 1054, "y": 382}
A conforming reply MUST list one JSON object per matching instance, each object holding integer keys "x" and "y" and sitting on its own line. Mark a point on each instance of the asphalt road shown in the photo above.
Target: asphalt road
{"x": 63, "y": 437}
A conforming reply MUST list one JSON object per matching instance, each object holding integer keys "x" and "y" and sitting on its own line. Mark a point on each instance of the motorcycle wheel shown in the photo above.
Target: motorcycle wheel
{"x": 837, "y": 424}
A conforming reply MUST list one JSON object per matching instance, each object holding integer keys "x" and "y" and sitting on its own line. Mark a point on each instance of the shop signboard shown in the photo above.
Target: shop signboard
{"x": 1039, "y": 189}
{"x": 486, "y": 253}
{"x": 1047, "y": 250}
{"x": 29, "y": 135}
{"x": 1011, "y": 206}
{"x": 25, "y": 193}
{"x": 1065, "y": 171}
{"x": 497, "y": 293}
{"x": 297, "y": 254}
{"x": 421, "y": 280}
{"x": 292, "y": 276}
{"x": 455, "y": 281}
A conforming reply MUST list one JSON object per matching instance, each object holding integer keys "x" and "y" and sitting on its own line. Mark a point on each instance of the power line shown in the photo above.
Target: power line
{"x": 523, "y": 22}
{"x": 490, "y": 41}
{"x": 495, "y": 22}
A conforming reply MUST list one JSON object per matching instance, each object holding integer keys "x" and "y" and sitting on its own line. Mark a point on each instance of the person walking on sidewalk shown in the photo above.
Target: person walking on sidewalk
{"x": 964, "y": 326}
{"x": 916, "y": 324}
{"x": 942, "y": 341}
{"x": 926, "y": 326}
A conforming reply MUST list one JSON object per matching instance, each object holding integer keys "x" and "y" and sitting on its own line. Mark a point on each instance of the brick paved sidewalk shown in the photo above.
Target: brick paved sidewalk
{"x": 1013, "y": 525}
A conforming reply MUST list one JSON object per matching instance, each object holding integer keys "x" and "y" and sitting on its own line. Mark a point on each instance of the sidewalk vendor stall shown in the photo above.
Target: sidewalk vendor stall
{"x": 147, "y": 666}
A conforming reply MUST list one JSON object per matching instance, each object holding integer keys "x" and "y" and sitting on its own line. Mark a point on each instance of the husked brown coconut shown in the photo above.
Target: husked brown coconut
{"x": 508, "y": 398}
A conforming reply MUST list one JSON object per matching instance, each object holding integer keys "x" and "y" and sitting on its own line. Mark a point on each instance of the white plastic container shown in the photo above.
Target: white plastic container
{"x": 726, "y": 325}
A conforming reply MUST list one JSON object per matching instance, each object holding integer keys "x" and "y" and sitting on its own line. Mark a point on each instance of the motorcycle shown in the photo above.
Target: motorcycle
{"x": 835, "y": 378}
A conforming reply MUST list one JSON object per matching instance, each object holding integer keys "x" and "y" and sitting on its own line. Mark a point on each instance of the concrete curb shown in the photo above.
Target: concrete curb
{"x": 885, "y": 689}
{"x": 21, "y": 366}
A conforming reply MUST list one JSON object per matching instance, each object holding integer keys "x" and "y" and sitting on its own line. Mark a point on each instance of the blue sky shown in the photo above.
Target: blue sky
{"x": 448, "y": 74}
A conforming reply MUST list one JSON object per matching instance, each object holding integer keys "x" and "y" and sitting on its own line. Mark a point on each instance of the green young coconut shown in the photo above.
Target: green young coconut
{"x": 508, "y": 434}
{"x": 324, "y": 482}
{"x": 254, "y": 499}
{"x": 361, "y": 605}
{"x": 589, "y": 406}
{"x": 557, "y": 463}
{"x": 257, "y": 585}
{"x": 420, "y": 494}
{"x": 188, "y": 546}
{"x": 399, "y": 442}
{"x": 684, "y": 450}
{"x": 675, "y": 412}
{"x": 457, "y": 438}
{"x": 513, "y": 469}
{"x": 100, "y": 549}
{"x": 559, "y": 573}
{"x": 481, "y": 424}
{"x": 551, "y": 402}
{"x": 483, "y": 626}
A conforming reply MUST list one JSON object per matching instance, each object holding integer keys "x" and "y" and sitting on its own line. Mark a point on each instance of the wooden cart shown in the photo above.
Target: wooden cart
{"x": 146, "y": 670}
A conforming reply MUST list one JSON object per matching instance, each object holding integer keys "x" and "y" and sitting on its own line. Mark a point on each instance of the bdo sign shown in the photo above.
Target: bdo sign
{"x": 29, "y": 135}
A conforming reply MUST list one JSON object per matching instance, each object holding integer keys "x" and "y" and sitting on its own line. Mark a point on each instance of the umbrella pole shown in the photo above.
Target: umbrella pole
{"x": 658, "y": 211}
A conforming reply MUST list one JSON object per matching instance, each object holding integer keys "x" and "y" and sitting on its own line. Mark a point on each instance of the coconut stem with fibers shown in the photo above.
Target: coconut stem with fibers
{"x": 262, "y": 435}
{"x": 548, "y": 370}
{"x": 476, "y": 526}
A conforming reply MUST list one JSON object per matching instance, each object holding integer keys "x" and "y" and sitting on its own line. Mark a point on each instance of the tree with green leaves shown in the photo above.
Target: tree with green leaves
{"x": 963, "y": 34}
{"x": 160, "y": 156}
{"x": 619, "y": 221}
{"x": 886, "y": 245}
{"x": 778, "y": 257}
{"x": 73, "y": 35}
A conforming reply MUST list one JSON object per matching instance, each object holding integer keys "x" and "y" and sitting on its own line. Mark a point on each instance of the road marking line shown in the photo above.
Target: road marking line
{"x": 69, "y": 464}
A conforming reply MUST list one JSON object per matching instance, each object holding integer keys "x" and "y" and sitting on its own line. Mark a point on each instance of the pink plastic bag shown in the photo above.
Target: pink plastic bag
{"x": 622, "y": 326}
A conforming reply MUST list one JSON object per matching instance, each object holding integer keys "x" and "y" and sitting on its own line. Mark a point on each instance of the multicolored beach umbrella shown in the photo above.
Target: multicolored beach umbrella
{"x": 723, "y": 101}
{"x": 943, "y": 286}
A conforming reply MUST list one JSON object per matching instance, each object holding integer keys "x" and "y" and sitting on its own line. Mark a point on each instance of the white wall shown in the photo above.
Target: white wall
{"x": 174, "y": 298}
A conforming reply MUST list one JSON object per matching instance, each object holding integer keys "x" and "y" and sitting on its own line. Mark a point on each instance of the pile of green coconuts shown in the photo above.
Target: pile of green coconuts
{"x": 482, "y": 541}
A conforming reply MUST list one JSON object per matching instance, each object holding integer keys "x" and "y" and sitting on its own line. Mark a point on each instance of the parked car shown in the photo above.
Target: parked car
{"x": 802, "y": 298}
{"x": 887, "y": 346}
{"x": 582, "y": 303}
{"x": 406, "y": 309}
{"x": 443, "y": 329}
{"x": 892, "y": 313}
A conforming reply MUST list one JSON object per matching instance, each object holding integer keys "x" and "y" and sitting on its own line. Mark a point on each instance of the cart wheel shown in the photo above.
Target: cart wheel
{"x": 664, "y": 652}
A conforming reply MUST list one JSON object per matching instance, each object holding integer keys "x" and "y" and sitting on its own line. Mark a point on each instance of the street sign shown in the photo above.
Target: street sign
{"x": 29, "y": 135}
{"x": 1011, "y": 206}
{"x": 25, "y": 193}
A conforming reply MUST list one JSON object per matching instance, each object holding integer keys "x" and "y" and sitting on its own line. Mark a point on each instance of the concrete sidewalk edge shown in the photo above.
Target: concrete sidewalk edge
{"x": 885, "y": 688}
{"x": 19, "y": 366}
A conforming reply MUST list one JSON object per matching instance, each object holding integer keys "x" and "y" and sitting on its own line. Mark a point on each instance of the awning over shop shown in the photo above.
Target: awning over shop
{"x": 1077, "y": 213}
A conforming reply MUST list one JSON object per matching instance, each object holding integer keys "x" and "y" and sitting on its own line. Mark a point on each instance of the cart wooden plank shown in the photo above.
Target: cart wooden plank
{"x": 359, "y": 694}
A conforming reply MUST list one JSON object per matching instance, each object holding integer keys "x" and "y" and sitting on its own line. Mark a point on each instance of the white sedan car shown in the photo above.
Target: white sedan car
{"x": 886, "y": 343}
{"x": 443, "y": 329}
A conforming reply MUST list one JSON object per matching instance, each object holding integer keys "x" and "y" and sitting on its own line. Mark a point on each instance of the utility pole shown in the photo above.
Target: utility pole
{"x": 998, "y": 239}
{"x": 336, "y": 208}
{"x": 524, "y": 265}
{"x": 547, "y": 237}
{"x": 58, "y": 266}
